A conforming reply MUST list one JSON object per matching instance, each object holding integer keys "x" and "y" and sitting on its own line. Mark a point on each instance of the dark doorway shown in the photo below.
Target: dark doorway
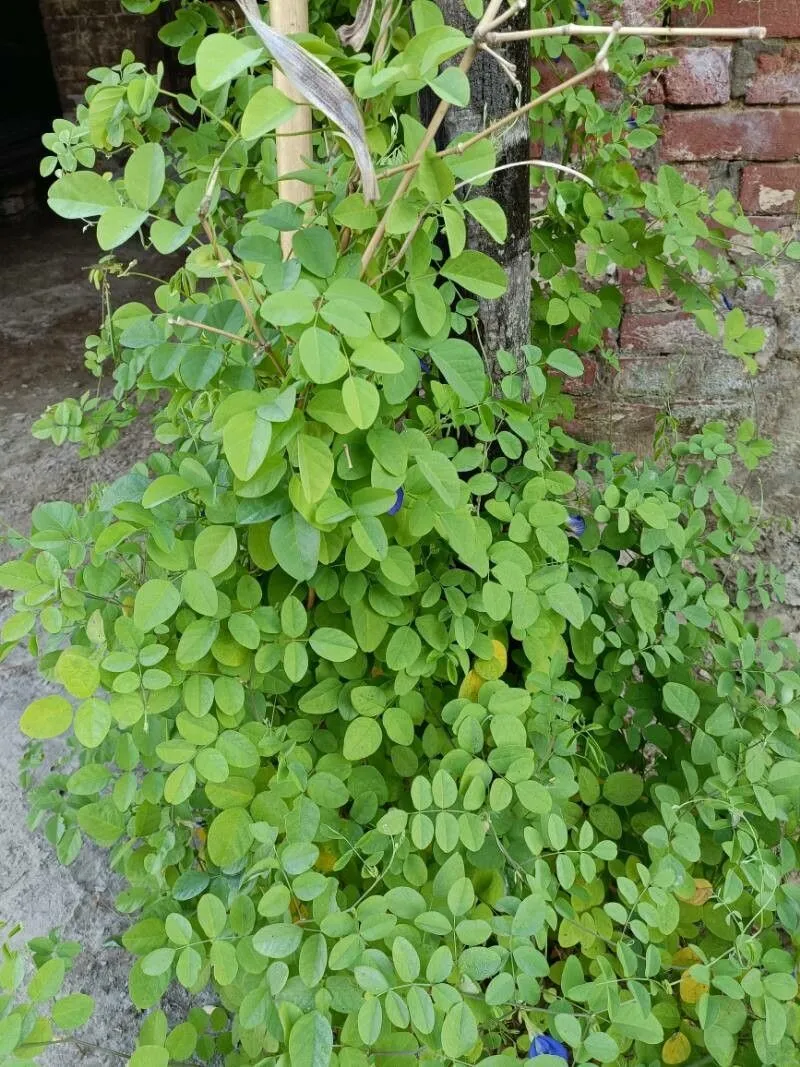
{"x": 28, "y": 105}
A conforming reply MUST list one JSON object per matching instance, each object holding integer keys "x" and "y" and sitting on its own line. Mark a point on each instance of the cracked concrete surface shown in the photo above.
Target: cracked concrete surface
{"x": 47, "y": 307}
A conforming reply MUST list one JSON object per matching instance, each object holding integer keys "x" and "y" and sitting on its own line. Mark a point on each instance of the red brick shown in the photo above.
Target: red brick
{"x": 700, "y": 76}
{"x": 662, "y": 331}
{"x": 752, "y": 133}
{"x": 776, "y": 79}
{"x": 770, "y": 189}
{"x": 774, "y": 222}
{"x": 668, "y": 333}
{"x": 584, "y": 384}
{"x": 780, "y": 17}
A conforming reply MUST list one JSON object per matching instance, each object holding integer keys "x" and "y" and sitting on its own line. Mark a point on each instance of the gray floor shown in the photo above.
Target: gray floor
{"x": 47, "y": 307}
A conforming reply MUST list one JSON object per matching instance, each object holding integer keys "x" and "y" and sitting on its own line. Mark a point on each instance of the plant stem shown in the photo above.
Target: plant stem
{"x": 178, "y": 320}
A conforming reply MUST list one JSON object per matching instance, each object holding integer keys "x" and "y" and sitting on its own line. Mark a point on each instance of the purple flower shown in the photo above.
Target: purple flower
{"x": 398, "y": 502}
{"x": 424, "y": 366}
{"x": 544, "y": 1045}
{"x": 576, "y": 525}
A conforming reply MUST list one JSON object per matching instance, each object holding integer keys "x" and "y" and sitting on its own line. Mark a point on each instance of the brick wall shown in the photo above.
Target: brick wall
{"x": 82, "y": 34}
{"x": 731, "y": 118}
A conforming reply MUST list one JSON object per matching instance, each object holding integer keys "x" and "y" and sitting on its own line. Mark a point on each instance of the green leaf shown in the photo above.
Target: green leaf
{"x": 490, "y": 215}
{"x": 321, "y": 356}
{"x": 215, "y": 549}
{"x": 180, "y": 784}
{"x": 46, "y": 717}
{"x": 653, "y": 514}
{"x": 79, "y": 675}
{"x": 168, "y": 236}
{"x": 316, "y": 466}
{"x": 278, "y": 940}
{"x": 145, "y": 175}
{"x": 117, "y": 225}
{"x": 92, "y": 723}
{"x": 459, "y": 1031}
{"x": 362, "y": 737}
{"x": 167, "y": 487}
{"x": 530, "y": 917}
{"x": 333, "y": 645}
{"x": 288, "y": 309}
{"x": 222, "y": 57}
{"x": 265, "y": 111}
{"x": 81, "y": 195}
{"x": 441, "y": 476}
{"x": 562, "y": 359}
{"x": 72, "y": 1012}
{"x": 47, "y": 981}
{"x": 229, "y": 837}
{"x": 156, "y": 601}
{"x": 102, "y": 822}
{"x": 557, "y": 311}
{"x": 681, "y": 701}
{"x": 429, "y": 305}
{"x": 200, "y": 593}
{"x": 296, "y": 545}
{"x": 310, "y": 1041}
{"x": 316, "y": 250}
{"x": 629, "y": 1020}
{"x": 361, "y": 401}
{"x": 563, "y": 599}
{"x": 462, "y": 368}
{"x": 452, "y": 85}
{"x": 477, "y": 273}
{"x": 149, "y": 1056}
{"x": 370, "y": 1020}
{"x": 246, "y": 438}
{"x": 623, "y": 788}
{"x": 377, "y": 356}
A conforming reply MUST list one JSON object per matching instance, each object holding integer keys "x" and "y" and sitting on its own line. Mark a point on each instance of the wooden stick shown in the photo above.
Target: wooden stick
{"x": 293, "y": 140}
{"x": 573, "y": 29}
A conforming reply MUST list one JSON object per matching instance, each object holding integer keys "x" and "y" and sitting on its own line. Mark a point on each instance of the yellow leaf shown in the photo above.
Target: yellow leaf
{"x": 691, "y": 990}
{"x": 676, "y": 1049}
{"x": 326, "y": 860}
{"x": 471, "y": 686}
{"x": 703, "y": 891}
{"x": 489, "y": 669}
{"x": 685, "y": 957}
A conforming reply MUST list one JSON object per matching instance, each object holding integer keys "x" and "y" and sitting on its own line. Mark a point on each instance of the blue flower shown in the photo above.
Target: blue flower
{"x": 424, "y": 366}
{"x": 576, "y": 525}
{"x": 584, "y": 14}
{"x": 631, "y": 123}
{"x": 544, "y": 1045}
{"x": 398, "y": 502}
{"x": 726, "y": 301}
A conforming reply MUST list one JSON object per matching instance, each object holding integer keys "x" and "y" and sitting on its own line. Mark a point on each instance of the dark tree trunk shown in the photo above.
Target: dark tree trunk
{"x": 504, "y": 323}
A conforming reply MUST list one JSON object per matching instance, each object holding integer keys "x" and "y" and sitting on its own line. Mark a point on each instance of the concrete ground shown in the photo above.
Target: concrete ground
{"x": 47, "y": 307}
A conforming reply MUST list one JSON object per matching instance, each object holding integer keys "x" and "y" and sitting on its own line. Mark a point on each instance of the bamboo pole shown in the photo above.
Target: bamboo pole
{"x": 573, "y": 29}
{"x": 293, "y": 140}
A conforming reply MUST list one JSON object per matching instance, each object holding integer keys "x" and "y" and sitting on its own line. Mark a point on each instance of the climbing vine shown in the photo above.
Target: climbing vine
{"x": 415, "y": 727}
